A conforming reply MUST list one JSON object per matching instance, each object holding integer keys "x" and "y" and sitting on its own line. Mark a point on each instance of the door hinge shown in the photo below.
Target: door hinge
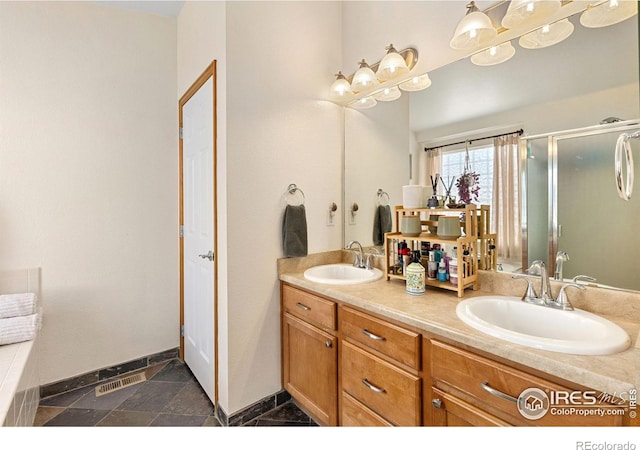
{"x": 181, "y": 231}
{"x": 182, "y": 330}
{"x": 180, "y": 132}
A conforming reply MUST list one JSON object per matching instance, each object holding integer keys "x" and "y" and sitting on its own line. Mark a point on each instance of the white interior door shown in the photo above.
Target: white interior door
{"x": 198, "y": 181}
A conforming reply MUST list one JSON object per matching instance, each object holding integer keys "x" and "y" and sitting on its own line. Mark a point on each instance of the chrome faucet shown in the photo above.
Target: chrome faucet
{"x": 539, "y": 268}
{"x": 561, "y": 257}
{"x": 545, "y": 298}
{"x": 359, "y": 256}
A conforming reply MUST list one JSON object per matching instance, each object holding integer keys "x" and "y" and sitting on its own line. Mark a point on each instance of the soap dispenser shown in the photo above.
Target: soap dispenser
{"x": 415, "y": 275}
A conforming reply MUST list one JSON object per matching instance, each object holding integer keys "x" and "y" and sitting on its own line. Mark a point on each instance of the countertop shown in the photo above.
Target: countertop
{"x": 435, "y": 312}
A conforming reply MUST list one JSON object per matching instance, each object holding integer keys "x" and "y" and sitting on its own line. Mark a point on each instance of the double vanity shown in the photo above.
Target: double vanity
{"x": 359, "y": 352}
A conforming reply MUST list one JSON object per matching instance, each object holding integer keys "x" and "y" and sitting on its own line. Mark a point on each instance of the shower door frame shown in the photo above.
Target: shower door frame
{"x": 552, "y": 180}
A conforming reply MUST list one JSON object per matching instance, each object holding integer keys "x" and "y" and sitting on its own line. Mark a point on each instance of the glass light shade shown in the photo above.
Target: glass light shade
{"x": 340, "y": 89}
{"x": 388, "y": 94}
{"x": 392, "y": 65}
{"x": 521, "y": 12}
{"x": 416, "y": 83}
{"x": 547, "y": 36}
{"x": 473, "y": 30}
{"x": 364, "y": 78}
{"x": 608, "y": 13}
{"x": 364, "y": 103}
{"x": 494, "y": 55}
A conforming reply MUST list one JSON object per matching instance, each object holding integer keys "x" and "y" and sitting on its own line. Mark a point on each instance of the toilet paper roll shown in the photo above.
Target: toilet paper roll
{"x": 414, "y": 196}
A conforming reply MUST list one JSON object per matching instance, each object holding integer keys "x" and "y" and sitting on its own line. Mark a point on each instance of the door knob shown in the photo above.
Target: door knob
{"x": 208, "y": 256}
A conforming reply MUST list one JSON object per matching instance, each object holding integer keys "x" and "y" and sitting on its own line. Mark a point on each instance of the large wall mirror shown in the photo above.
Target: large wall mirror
{"x": 591, "y": 76}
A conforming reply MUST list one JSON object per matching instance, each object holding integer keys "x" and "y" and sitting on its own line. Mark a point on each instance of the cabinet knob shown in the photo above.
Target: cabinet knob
{"x": 437, "y": 403}
{"x": 328, "y": 344}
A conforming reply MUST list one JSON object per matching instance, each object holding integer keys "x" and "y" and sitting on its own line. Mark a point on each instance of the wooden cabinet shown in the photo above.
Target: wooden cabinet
{"x": 347, "y": 367}
{"x": 310, "y": 353}
{"x": 379, "y": 371}
{"x": 468, "y": 389}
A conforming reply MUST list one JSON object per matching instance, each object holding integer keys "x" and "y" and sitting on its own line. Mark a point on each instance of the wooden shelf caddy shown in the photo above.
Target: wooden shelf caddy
{"x": 475, "y": 248}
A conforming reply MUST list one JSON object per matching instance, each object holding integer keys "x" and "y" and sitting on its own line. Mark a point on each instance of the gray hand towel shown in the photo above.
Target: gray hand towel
{"x": 381, "y": 224}
{"x": 294, "y": 231}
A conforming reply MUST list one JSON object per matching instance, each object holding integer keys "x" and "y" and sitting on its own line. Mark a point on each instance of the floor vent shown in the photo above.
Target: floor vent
{"x": 120, "y": 383}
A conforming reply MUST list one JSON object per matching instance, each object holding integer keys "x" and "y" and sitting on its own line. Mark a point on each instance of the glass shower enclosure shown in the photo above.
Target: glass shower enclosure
{"x": 571, "y": 204}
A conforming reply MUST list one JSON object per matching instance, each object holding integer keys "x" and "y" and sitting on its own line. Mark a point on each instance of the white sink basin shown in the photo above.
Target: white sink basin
{"x": 342, "y": 274}
{"x": 577, "y": 332}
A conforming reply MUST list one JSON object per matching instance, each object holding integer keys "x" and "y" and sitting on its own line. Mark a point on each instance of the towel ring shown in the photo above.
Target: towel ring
{"x": 382, "y": 194}
{"x": 292, "y": 189}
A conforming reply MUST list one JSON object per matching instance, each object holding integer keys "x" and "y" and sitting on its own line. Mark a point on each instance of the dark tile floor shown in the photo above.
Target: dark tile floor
{"x": 170, "y": 396}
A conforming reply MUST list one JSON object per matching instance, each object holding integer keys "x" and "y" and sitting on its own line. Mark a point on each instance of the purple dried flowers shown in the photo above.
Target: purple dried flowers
{"x": 468, "y": 186}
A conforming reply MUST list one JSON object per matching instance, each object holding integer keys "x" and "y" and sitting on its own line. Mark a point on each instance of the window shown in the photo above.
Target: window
{"x": 481, "y": 161}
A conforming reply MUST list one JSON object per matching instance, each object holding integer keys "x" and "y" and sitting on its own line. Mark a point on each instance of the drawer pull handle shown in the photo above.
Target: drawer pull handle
{"x": 372, "y": 387}
{"x": 375, "y": 337}
{"x": 328, "y": 344}
{"x": 437, "y": 403}
{"x": 497, "y": 393}
{"x": 303, "y": 307}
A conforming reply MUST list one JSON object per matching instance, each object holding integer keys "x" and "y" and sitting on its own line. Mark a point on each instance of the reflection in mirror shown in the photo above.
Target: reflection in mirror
{"x": 594, "y": 229}
{"x": 590, "y": 76}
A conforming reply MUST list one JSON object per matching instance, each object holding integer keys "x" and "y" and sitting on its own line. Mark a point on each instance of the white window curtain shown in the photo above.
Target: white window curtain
{"x": 506, "y": 198}
{"x": 430, "y": 164}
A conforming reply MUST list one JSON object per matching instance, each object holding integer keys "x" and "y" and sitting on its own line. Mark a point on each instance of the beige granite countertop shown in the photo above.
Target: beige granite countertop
{"x": 434, "y": 312}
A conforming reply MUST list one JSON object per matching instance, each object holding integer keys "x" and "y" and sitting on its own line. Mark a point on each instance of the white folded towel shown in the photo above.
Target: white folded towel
{"x": 20, "y": 329}
{"x": 14, "y": 305}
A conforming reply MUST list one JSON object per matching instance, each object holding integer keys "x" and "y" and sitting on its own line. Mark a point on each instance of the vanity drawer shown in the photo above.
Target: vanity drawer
{"x": 384, "y": 388}
{"x": 355, "y": 414}
{"x": 309, "y": 307}
{"x": 390, "y": 340}
{"x": 472, "y": 377}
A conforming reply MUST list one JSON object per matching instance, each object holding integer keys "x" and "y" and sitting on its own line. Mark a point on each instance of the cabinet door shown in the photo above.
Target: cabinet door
{"x": 310, "y": 368}
{"x": 450, "y": 411}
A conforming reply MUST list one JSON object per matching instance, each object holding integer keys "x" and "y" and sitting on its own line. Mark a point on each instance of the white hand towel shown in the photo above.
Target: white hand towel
{"x": 14, "y": 305}
{"x": 20, "y": 329}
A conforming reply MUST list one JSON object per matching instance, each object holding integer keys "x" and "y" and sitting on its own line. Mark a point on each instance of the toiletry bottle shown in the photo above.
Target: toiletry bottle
{"x": 453, "y": 271}
{"x": 401, "y": 248}
{"x": 432, "y": 268}
{"x": 437, "y": 252}
{"x": 415, "y": 275}
{"x": 442, "y": 271}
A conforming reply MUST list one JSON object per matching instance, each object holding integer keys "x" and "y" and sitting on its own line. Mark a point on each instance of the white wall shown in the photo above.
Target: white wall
{"x": 281, "y": 57}
{"x": 89, "y": 177}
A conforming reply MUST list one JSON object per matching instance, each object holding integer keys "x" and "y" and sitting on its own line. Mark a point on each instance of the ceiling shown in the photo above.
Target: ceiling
{"x": 589, "y": 60}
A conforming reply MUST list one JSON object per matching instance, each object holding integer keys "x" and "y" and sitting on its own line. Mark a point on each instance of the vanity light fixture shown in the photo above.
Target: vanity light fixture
{"x": 388, "y": 94}
{"x": 608, "y": 13}
{"x": 393, "y": 65}
{"x": 473, "y": 30}
{"x": 364, "y": 78}
{"x": 340, "y": 89}
{"x": 364, "y": 103}
{"x": 494, "y": 55}
{"x": 416, "y": 83}
{"x": 522, "y": 12}
{"x": 547, "y": 36}
{"x": 376, "y": 82}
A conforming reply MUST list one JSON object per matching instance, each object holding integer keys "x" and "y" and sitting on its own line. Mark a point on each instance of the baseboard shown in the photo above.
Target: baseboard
{"x": 89, "y": 378}
{"x": 251, "y": 412}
